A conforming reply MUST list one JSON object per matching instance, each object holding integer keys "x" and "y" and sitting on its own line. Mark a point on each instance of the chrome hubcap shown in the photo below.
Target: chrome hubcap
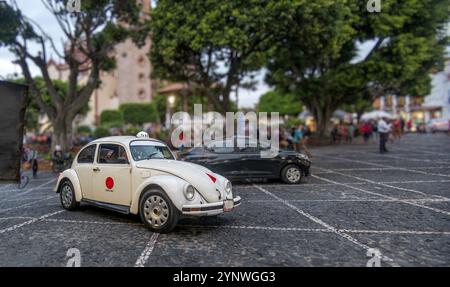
{"x": 156, "y": 211}
{"x": 66, "y": 195}
{"x": 293, "y": 174}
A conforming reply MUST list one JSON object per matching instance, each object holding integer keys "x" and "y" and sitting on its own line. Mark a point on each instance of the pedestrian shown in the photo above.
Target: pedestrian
{"x": 297, "y": 138}
{"x": 343, "y": 132}
{"x": 367, "y": 130}
{"x": 305, "y": 139}
{"x": 334, "y": 134}
{"x": 383, "y": 130}
{"x": 350, "y": 133}
{"x": 32, "y": 156}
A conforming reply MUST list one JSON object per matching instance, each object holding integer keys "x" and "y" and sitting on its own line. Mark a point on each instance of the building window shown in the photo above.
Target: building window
{"x": 141, "y": 76}
{"x": 141, "y": 94}
{"x": 141, "y": 60}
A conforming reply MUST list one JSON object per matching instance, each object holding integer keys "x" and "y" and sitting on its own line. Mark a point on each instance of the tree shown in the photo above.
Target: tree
{"x": 33, "y": 110}
{"x": 90, "y": 36}
{"x": 111, "y": 118}
{"x": 277, "y": 101}
{"x": 316, "y": 55}
{"x": 214, "y": 45}
{"x": 138, "y": 114}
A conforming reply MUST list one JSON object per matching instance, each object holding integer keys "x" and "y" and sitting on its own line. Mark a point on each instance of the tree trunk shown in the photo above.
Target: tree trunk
{"x": 322, "y": 115}
{"x": 62, "y": 133}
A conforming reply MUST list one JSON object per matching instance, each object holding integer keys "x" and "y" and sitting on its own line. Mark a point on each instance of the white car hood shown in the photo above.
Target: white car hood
{"x": 194, "y": 174}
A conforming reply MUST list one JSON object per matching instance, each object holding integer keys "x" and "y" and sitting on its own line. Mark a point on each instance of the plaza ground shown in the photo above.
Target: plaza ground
{"x": 356, "y": 200}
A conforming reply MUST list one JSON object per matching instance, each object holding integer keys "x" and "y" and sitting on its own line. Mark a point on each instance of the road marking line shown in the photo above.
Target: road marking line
{"x": 296, "y": 229}
{"x": 257, "y": 228}
{"x": 27, "y": 204}
{"x": 6, "y": 186}
{"x": 326, "y": 225}
{"x": 91, "y": 222}
{"x": 16, "y": 217}
{"x": 14, "y": 227}
{"x": 383, "y": 184}
{"x": 416, "y": 181}
{"x": 351, "y": 200}
{"x": 389, "y": 197}
{"x": 25, "y": 191}
{"x": 386, "y": 168}
{"x": 383, "y": 165}
{"x": 140, "y": 262}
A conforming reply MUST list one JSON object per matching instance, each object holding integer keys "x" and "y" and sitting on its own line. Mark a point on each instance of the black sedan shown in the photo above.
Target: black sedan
{"x": 246, "y": 162}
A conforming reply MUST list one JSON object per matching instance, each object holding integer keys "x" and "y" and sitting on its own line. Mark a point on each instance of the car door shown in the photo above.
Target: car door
{"x": 223, "y": 159}
{"x": 111, "y": 180}
{"x": 253, "y": 164}
{"x": 83, "y": 168}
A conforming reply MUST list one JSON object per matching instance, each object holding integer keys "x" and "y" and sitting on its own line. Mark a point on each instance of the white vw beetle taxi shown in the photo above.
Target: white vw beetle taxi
{"x": 140, "y": 175}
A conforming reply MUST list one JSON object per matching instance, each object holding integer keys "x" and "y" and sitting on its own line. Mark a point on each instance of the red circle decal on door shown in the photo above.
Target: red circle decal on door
{"x": 109, "y": 183}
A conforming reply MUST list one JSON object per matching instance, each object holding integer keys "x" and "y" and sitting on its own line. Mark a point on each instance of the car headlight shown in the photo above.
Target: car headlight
{"x": 228, "y": 187}
{"x": 189, "y": 192}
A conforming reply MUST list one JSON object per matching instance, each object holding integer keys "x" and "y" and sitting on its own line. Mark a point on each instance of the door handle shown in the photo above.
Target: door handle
{"x": 96, "y": 169}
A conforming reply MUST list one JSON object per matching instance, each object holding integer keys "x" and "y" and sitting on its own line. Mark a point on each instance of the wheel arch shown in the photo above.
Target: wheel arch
{"x": 171, "y": 186}
{"x": 71, "y": 176}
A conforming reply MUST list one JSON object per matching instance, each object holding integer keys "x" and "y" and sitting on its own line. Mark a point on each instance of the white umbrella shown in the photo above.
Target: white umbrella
{"x": 377, "y": 114}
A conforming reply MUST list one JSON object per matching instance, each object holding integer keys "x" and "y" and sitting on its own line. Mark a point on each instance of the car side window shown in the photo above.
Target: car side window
{"x": 112, "y": 154}
{"x": 87, "y": 154}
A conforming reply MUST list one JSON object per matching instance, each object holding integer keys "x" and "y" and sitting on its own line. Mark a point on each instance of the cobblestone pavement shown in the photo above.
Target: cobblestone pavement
{"x": 355, "y": 200}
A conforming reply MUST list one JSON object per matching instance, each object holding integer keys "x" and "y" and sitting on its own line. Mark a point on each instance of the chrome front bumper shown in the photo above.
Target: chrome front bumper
{"x": 208, "y": 208}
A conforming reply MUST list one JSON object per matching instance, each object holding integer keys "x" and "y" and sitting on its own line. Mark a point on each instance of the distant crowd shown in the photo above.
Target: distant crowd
{"x": 368, "y": 130}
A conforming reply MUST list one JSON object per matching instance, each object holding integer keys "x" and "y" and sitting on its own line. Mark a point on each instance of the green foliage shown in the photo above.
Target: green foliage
{"x": 277, "y": 101}
{"x": 138, "y": 114}
{"x": 159, "y": 103}
{"x": 33, "y": 110}
{"x": 85, "y": 130}
{"x": 101, "y": 132}
{"x": 111, "y": 118}
{"x": 132, "y": 131}
{"x": 293, "y": 122}
{"x": 89, "y": 36}
{"x": 315, "y": 57}
{"x": 205, "y": 42}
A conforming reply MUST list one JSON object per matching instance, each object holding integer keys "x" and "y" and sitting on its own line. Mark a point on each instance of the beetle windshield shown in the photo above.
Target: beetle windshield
{"x": 142, "y": 150}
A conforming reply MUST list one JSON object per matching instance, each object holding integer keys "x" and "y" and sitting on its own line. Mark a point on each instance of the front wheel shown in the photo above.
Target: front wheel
{"x": 157, "y": 211}
{"x": 291, "y": 174}
{"x": 67, "y": 196}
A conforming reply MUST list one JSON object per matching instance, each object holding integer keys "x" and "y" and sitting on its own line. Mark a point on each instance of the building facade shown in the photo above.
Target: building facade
{"x": 130, "y": 82}
{"x": 422, "y": 109}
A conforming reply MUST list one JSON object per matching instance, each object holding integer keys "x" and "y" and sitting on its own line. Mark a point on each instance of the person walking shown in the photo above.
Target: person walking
{"x": 306, "y": 134}
{"x": 297, "y": 138}
{"x": 350, "y": 133}
{"x": 383, "y": 130}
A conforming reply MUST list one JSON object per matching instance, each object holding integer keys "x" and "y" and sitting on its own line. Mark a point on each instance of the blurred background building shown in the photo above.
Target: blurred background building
{"x": 130, "y": 82}
{"x": 422, "y": 109}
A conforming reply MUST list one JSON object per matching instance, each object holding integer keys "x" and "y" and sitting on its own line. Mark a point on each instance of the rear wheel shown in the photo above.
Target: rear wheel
{"x": 291, "y": 174}
{"x": 158, "y": 212}
{"x": 67, "y": 196}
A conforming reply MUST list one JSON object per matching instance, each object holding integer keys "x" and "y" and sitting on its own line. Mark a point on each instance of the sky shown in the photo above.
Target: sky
{"x": 38, "y": 13}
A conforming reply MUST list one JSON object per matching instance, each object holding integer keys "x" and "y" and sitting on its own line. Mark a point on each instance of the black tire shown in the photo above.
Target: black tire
{"x": 67, "y": 196}
{"x": 291, "y": 174}
{"x": 161, "y": 217}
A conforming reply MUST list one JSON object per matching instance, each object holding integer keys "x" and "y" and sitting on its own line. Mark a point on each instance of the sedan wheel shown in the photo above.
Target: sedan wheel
{"x": 157, "y": 211}
{"x": 291, "y": 174}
